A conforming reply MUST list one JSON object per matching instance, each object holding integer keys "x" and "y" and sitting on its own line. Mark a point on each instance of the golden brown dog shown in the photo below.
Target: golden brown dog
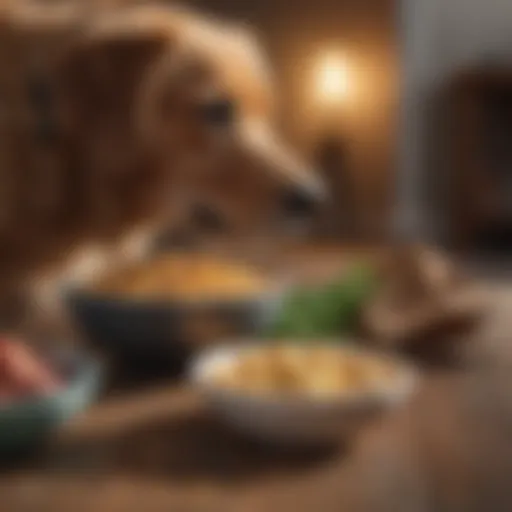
{"x": 115, "y": 121}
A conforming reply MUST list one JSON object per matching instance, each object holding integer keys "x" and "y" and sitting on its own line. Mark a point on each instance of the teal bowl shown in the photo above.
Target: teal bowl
{"x": 26, "y": 424}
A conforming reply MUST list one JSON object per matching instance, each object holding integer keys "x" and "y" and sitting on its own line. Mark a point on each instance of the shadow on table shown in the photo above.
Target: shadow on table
{"x": 190, "y": 448}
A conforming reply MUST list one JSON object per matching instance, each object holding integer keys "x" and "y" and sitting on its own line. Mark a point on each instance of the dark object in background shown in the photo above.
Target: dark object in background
{"x": 338, "y": 218}
{"x": 477, "y": 112}
{"x": 424, "y": 301}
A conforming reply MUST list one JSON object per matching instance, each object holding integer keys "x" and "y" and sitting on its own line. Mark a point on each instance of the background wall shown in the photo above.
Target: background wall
{"x": 364, "y": 32}
{"x": 439, "y": 37}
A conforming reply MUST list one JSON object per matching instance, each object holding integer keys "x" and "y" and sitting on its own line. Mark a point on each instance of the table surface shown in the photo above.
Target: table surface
{"x": 157, "y": 449}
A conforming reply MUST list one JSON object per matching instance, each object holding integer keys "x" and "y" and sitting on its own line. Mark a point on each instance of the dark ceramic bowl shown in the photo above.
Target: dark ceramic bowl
{"x": 25, "y": 424}
{"x": 166, "y": 332}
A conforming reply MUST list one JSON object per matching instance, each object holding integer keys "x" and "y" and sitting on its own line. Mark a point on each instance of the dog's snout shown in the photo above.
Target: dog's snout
{"x": 300, "y": 202}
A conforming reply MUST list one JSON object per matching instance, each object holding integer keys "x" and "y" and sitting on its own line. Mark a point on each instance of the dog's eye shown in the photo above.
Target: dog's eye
{"x": 219, "y": 112}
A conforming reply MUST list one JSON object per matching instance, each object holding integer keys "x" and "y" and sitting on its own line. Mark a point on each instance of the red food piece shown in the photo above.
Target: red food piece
{"x": 22, "y": 374}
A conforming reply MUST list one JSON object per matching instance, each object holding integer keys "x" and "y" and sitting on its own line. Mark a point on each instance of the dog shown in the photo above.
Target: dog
{"x": 117, "y": 121}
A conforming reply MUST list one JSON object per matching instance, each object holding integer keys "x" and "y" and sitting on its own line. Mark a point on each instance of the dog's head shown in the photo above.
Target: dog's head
{"x": 195, "y": 98}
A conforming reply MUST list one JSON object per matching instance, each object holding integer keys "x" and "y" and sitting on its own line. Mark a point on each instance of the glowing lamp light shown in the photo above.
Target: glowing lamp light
{"x": 332, "y": 80}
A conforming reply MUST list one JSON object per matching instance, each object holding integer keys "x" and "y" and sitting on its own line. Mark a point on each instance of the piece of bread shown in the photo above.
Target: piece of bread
{"x": 423, "y": 298}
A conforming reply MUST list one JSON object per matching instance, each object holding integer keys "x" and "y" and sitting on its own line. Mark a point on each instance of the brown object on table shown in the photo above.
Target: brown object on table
{"x": 424, "y": 296}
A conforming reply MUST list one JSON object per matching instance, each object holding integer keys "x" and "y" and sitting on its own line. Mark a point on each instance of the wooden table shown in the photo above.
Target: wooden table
{"x": 159, "y": 450}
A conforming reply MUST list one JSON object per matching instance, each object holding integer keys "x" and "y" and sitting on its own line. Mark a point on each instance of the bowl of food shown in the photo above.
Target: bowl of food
{"x": 40, "y": 392}
{"x": 166, "y": 307}
{"x": 300, "y": 394}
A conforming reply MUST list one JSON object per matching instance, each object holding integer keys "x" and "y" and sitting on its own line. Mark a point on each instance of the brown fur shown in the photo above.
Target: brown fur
{"x": 129, "y": 152}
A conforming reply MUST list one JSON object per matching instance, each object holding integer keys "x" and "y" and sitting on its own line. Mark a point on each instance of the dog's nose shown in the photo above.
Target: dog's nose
{"x": 299, "y": 202}
{"x": 207, "y": 219}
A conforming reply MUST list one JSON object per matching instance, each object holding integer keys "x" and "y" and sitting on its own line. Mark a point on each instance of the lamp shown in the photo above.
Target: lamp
{"x": 331, "y": 80}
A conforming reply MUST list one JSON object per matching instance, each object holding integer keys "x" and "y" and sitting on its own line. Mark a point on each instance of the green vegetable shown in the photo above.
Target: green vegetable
{"x": 328, "y": 310}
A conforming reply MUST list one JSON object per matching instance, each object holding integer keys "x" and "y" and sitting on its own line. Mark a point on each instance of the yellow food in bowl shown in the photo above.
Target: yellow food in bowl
{"x": 307, "y": 370}
{"x": 184, "y": 277}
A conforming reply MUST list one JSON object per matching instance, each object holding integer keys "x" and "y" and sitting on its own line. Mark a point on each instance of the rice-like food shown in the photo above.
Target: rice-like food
{"x": 306, "y": 370}
{"x": 184, "y": 277}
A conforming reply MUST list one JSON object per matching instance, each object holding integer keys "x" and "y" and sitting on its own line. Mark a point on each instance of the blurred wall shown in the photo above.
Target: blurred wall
{"x": 296, "y": 34}
{"x": 439, "y": 37}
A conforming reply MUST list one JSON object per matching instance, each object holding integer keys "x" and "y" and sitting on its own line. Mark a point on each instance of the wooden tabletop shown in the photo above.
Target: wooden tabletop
{"x": 158, "y": 449}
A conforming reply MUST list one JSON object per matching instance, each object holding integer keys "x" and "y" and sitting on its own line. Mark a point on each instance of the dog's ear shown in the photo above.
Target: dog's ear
{"x": 100, "y": 74}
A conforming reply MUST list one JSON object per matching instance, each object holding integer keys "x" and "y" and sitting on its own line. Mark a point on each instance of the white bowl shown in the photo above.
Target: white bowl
{"x": 296, "y": 419}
